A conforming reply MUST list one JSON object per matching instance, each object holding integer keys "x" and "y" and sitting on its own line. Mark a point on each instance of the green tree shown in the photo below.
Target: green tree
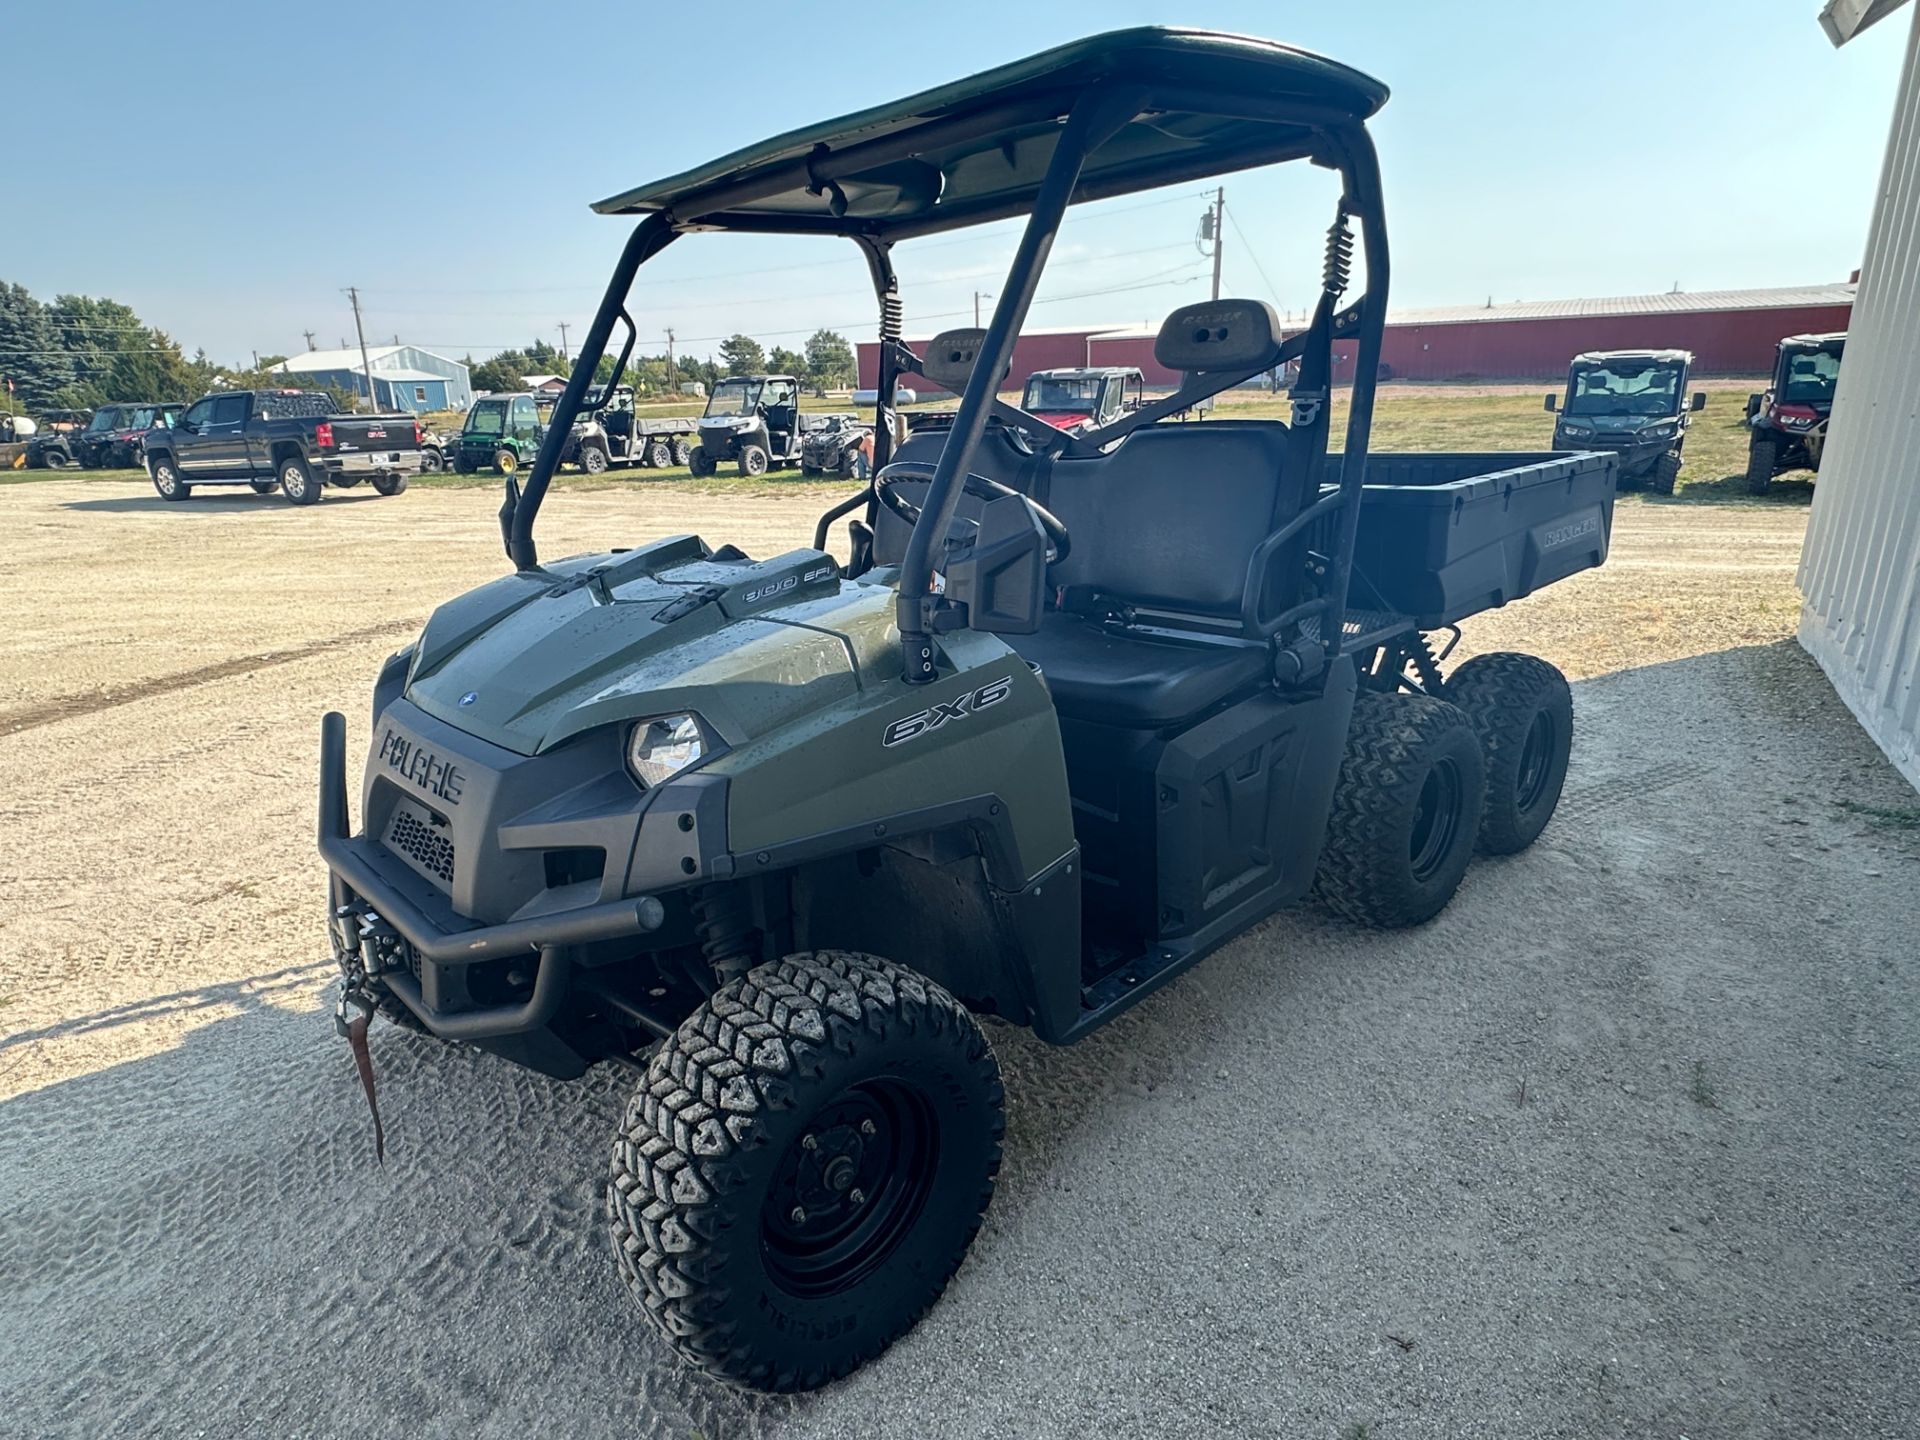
{"x": 742, "y": 355}
{"x": 33, "y": 354}
{"x": 787, "y": 362}
{"x": 830, "y": 362}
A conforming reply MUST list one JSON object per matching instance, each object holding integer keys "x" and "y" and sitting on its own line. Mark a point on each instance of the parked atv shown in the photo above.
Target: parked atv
{"x": 752, "y": 420}
{"x": 1634, "y": 403}
{"x": 836, "y": 445}
{"x": 1788, "y": 421}
{"x": 776, "y": 830}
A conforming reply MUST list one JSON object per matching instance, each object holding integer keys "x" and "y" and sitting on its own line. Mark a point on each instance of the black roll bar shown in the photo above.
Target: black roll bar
{"x": 649, "y": 237}
{"x": 1092, "y": 120}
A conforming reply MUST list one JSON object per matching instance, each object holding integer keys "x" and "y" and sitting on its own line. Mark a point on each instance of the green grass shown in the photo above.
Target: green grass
{"x": 1407, "y": 416}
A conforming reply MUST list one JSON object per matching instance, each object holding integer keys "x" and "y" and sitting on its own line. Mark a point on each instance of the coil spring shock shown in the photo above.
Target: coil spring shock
{"x": 1339, "y": 267}
{"x": 1426, "y": 665}
{"x": 892, "y": 315}
{"x": 723, "y": 926}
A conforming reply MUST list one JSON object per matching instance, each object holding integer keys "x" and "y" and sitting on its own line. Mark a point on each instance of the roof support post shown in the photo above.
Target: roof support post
{"x": 1093, "y": 120}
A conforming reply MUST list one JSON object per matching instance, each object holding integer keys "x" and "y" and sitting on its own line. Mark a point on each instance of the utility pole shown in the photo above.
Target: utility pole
{"x": 1219, "y": 234}
{"x": 360, "y": 330}
{"x": 309, "y": 335}
{"x": 673, "y": 385}
{"x": 563, "y": 342}
{"x": 978, "y": 296}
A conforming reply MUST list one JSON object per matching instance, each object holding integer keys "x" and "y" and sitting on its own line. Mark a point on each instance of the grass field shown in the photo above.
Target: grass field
{"x": 1406, "y": 417}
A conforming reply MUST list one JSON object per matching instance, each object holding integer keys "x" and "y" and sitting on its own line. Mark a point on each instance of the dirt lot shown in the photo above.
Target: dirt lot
{"x": 1624, "y": 1144}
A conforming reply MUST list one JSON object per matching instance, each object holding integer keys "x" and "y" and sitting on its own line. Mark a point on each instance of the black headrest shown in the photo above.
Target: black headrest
{"x": 949, "y": 357}
{"x": 1218, "y": 335}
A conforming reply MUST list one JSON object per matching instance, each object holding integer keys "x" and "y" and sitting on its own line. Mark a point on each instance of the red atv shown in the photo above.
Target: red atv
{"x": 1789, "y": 421}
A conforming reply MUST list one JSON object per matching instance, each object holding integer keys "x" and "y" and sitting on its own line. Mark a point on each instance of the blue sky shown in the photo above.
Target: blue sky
{"x": 256, "y": 159}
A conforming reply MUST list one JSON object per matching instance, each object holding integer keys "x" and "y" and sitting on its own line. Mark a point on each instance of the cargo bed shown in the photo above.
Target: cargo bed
{"x": 1445, "y": 536}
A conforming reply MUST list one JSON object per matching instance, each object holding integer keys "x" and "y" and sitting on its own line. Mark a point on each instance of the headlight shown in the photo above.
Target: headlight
{"x": 660, "y": 749}
{"x": 1577, "y": 429}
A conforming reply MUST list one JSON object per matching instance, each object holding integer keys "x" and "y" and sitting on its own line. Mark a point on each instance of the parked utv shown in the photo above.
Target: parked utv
{"x": 1634, "y": 403}
{"x": 1788, "y": 421}
{"x": 608, "y": 433}
{"x": 753, "y": 420}
{"x": 502, "y": 431}
{"x": 775, "y": 830}
{"x": 55, "y": 441}
{"x": 1083, "y": 398}
{"x": 836, "y": 445}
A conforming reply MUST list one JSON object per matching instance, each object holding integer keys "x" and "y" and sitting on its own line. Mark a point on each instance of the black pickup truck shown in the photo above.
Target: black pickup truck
{"x": 291, "y": 439}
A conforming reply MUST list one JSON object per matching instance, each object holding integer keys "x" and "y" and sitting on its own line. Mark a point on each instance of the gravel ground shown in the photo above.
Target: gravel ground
{"x": 1623, "y": 1144}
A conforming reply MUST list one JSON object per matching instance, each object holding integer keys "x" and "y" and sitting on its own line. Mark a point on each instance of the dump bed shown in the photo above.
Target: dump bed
{"x": 1445, "y": 536}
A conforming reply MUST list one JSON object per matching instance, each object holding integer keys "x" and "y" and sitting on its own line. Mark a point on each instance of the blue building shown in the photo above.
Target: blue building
{"x": 405, "y": 377}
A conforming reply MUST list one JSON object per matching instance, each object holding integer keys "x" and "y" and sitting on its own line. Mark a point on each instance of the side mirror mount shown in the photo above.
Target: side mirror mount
{"x": 1699, "y": 400}
{"x": 1553, "y": 405}
{"x": 186, "y": 426}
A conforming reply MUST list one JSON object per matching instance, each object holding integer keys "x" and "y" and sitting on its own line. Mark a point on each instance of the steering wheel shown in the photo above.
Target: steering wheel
{"x": 1059, "y": 543}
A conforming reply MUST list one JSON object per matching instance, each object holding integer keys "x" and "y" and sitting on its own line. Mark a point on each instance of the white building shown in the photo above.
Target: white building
{"x": 1860, "y": 570}
{"x": 405, "y": 377}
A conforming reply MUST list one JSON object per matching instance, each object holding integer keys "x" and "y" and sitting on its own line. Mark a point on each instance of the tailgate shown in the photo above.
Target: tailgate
{"x": 355, "y": 434}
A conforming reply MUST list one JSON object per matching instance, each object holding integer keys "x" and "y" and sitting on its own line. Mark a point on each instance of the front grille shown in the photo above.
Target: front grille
{"x": 413, "y": 834}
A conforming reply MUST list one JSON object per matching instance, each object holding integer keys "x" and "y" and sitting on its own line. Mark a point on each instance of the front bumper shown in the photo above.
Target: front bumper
{"x": 410, "y": 938}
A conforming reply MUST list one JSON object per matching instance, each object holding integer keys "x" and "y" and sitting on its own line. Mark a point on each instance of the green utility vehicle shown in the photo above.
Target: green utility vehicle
{"x": 1634, "y": 403}
{"x": 752, "y": 420}
{"x": 502, "y": 431}
{"x": 1077, "y": 710}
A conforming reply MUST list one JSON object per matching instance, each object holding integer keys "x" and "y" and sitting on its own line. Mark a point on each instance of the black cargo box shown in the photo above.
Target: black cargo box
{"x": 1446, "y": 536}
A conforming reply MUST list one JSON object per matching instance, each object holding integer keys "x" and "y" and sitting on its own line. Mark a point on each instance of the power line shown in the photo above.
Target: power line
{"x": 1273, "y": 292}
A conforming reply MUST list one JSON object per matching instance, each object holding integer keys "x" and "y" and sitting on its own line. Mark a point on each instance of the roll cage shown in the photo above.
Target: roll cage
{"x": 1103, "y": 117}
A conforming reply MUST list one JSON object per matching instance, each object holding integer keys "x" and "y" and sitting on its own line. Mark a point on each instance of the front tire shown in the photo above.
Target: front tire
{"x": 166, "y": 479}
{"x": 432, "y": 462}
{"x": 1406, "y": 811}
{"x": 753, "y": 460}
{"x": 593, "y": 459}
{"x": 804, "y": 1166}
{"x": 298, "y": 482}
{"x": 1522, "y": 710}
{"x": 659, "y": 455}
{"x": 700, "y": 463}
{"x": 1666, "y": 471}
{"x": 1762, "y": 456}
{"x": 389, "y": 484}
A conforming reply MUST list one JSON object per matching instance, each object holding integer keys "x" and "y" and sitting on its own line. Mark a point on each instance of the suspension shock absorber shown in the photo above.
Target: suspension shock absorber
{"x": 724, "y": 927}
{"x": 892, "y": 315}
{"x": 1426, "y": 665}
{"x": 1338, "y": 270}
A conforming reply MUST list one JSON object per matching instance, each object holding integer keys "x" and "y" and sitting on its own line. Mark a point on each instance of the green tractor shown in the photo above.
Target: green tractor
{"x": 1077, "y": 709}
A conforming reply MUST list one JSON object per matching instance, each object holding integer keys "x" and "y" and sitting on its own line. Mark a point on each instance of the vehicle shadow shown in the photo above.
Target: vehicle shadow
{"x": 225, "y": 500}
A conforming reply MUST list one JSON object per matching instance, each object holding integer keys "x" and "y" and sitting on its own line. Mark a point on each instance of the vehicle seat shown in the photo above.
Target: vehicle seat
{"x": 1167, "y": 522}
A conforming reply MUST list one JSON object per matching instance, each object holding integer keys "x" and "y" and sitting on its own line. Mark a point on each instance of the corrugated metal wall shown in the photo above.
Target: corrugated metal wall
{"x": 1860, "y": 570}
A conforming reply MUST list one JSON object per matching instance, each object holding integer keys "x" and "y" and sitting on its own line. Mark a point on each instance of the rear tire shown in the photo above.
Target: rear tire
{"x": 298, "y": 482}
{"x": 165, "y": 473}
{"x": 1406, "y": 810}
{"x": 505, "y": 462}
{"x": 1666, "y": 470}
{"x": 462, "y": 466}
{"x": 753, "y": 460}
{"x": 804, "y": 1167}
{"x": 1522, "y": 709}
{"x": 700, "y": 462}
{"x": 390, "y": 484}
{"x": 1761, "y": 455}
{"x": 682, "y": 450}
{"x": 659, "y": 454}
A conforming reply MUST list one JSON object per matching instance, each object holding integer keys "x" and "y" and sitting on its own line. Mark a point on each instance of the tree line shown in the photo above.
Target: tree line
{"x": 825, "y": 363}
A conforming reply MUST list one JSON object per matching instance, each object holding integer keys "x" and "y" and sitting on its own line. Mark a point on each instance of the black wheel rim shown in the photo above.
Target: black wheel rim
{"x": 850, "y": 1189}
{"x": 1536, "y": 762}
{"x": 1436, "y": 823}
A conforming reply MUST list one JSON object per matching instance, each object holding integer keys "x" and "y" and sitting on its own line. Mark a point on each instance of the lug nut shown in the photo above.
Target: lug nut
{"x": 867, "y": 1128}
{"x": 798, "y": 1215}
{"x": 809, "y": 1142}
{"x": 857, "y": 1195}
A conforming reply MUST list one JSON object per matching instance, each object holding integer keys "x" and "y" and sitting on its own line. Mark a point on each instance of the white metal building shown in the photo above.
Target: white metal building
{"x": 1860, "y": 570}
{"x": 405, "y": 377}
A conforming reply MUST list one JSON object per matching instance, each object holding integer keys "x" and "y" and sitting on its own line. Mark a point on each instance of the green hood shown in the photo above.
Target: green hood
{"x": 531, "y": 659}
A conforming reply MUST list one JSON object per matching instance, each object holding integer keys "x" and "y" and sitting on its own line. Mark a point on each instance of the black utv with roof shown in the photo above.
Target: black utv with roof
{"x": 752, "y": 420}
{"x": 1072, "y": 712}
{"x": 1633, "y": 403}
{"x": 1787, "y": 423}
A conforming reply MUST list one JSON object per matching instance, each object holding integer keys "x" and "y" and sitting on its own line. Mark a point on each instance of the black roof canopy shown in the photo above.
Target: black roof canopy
{"x": 976, "y": 149}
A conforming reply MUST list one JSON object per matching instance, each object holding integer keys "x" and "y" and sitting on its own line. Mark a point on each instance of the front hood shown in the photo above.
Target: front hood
{"x": 532, "y": 659}
{"x": 1063, "y": 419}
{"x": 1629, "y": 425}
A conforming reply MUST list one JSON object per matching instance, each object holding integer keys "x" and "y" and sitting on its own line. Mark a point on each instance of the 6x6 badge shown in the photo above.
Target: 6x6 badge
{"x": 913, "y": 726}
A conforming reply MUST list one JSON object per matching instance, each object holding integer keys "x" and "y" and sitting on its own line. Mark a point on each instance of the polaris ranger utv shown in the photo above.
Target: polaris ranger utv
{"x": 1083, "y": 397}
{"x": 1076, "y": 711}
{"x": 753, "y": 420}
{"x": 1632, "y": 402}
{"x": 1788, "y": 421}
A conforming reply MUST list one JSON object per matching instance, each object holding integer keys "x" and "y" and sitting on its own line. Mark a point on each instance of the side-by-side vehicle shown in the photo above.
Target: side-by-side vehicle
{"x": 1787, "y": 422}
{"x": 1633, "y": 403}
{"x": 1067, "y": 712}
